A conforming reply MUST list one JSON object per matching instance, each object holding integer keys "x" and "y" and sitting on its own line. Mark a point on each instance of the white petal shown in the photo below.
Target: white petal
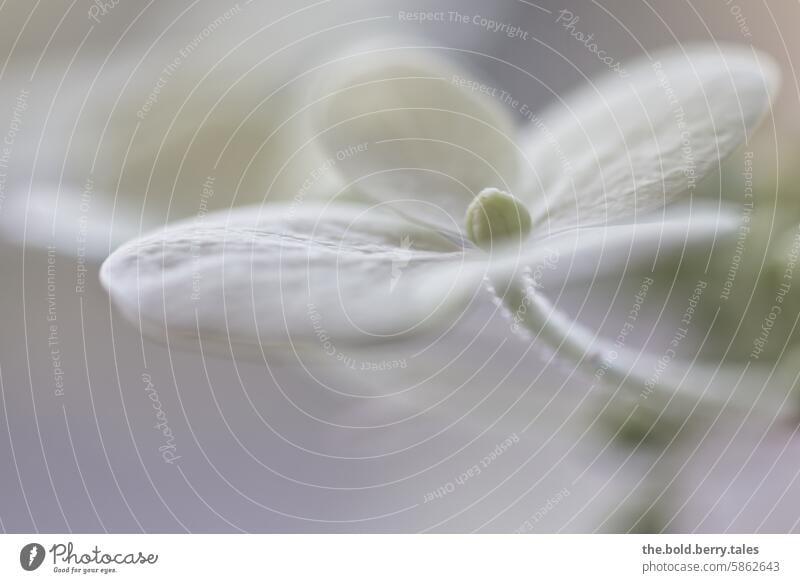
{"x": 625, "y": 146}
{"x": 393, "y": 117}
{"x": 578, "y": 255}
{"x": 684, "y": 234}
{"x": 279, "y": 275}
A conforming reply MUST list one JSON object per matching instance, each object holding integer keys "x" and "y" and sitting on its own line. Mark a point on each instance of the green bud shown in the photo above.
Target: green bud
{"x": 495, "y": 217}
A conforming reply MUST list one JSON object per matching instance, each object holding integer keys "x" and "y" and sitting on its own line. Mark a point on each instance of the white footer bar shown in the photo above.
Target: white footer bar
{"x": 400, "y": 558}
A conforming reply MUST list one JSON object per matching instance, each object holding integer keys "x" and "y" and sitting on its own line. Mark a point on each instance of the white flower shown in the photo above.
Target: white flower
{"x": 406, "y": 141}
{"x": 106, "y": 147}
{"x": 131, "y": 144}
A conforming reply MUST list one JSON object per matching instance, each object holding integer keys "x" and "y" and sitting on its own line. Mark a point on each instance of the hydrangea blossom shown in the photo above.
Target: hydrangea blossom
{"x": 400, "y": 147}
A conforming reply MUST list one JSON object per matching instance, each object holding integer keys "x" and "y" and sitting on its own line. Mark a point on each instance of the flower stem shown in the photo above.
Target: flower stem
{"x": 685, "y": 385}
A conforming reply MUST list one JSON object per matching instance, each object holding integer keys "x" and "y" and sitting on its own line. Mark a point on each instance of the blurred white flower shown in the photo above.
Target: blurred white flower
{"x": 405, "y": 142}
{"x": 114, "y": 142}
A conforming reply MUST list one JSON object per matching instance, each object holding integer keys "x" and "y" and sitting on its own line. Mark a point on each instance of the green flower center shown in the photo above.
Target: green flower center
{"x": 495, "y": 217}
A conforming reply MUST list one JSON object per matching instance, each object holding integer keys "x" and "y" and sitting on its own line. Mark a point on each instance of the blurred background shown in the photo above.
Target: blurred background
{"x": 102, "y": 430}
